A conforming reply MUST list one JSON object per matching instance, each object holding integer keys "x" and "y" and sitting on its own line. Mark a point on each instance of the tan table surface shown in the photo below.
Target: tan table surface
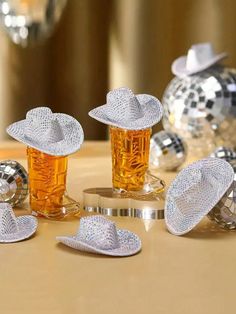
{"x": 191, "y": 274}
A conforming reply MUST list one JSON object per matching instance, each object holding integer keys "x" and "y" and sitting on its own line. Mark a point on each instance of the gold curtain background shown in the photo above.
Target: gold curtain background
{"x": 103, "y": 44}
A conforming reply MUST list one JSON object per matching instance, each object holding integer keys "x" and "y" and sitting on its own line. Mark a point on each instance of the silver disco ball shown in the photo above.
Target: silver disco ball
{"x": 13, "y": 182}
{"x": 202, "y": 109}
{"x": 225, "y": 153}
{"x": 224, "y": 213}
{"x": 27, "y": 22}
{"x": 167, "y": 151}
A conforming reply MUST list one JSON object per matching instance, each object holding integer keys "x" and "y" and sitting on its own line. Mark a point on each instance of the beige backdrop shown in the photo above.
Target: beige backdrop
{"x": 103, "y": 44}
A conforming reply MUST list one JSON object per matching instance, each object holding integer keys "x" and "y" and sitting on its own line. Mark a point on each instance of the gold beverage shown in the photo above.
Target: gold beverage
{"x": 47, "y": 177}
{"x": 130, "y": 158}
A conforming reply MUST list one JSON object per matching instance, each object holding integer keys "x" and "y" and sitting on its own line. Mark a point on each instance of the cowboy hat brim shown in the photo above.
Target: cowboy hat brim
{"x": 151, "y": 108}
{"x": 178, "y": 67}
{"x": 27, "y": 226}
{"x": 72, "y": 131}
{"x": 130, "y": 244}
{"x": 182, "y": 216}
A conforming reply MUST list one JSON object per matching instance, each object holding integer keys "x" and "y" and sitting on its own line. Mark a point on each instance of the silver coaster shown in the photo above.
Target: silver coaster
{"x": 105, "y": 202}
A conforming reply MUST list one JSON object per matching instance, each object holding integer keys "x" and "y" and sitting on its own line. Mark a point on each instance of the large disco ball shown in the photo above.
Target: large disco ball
{"x": 202, "y": 109}
{"x": 224, "y": 213}
{"x": 30, "y": 21}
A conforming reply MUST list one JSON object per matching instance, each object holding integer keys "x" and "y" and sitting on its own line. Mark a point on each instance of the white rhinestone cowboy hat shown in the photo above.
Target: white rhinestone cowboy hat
{"x": 128, "y": 111}
{"x": 194, "y": 192}
{"x": 55, "y": 134}
{"x": 199, "y": 58}
{"x": 14, "y": 229}
{"x": 99, "y": 235}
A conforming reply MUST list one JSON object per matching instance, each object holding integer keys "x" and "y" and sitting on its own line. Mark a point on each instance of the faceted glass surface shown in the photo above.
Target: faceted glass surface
{"x": 201, "y": 108}
{"x": 167, "y": 151}
{"x": 13, "y": 182}
{"x": 29, "y": 21}
{"x": 224, "y": 213}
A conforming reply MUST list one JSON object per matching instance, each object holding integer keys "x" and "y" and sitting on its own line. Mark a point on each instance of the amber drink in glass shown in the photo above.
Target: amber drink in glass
{"x": 47, "y": 177}
{"x": 130, "y": 157}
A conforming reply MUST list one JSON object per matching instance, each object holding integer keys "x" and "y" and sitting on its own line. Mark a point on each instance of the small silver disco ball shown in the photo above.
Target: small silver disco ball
{"x": 27, "y": 22}
{"x": 225, "y": 153}
{"x": 167, "y": 151}
{"x": 224, "y": 213}
{"x": 201, "y": 108}
{"x": 13, "y": 182}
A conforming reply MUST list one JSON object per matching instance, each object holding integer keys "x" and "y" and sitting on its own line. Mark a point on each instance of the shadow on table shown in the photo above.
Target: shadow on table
{"x": 81, "y": 253}
{"x": 209, "y": 230}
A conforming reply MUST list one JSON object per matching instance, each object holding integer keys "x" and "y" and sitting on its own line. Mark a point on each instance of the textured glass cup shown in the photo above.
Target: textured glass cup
{"x": 130, "y": 157}
{"x": 47, "y": 183}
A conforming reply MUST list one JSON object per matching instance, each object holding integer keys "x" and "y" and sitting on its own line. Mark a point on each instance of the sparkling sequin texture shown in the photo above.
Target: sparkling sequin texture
{"x": 202, "y": 109}
{"x": 13, "y": 229}
{"x": 99, "y": 235}
{"x": 167, "y": 151}
{"x": 128, "y": 111}
{"x": 56, "y": 134}
{"x": 194, "y": 192}
{"x": 13, "y": 182}
{"x": 224, "y": 213}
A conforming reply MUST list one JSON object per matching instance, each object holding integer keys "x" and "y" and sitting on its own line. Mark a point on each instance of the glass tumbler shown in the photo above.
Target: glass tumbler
{"x": 130, "y": 158}
{"x": 47, "y": 183}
